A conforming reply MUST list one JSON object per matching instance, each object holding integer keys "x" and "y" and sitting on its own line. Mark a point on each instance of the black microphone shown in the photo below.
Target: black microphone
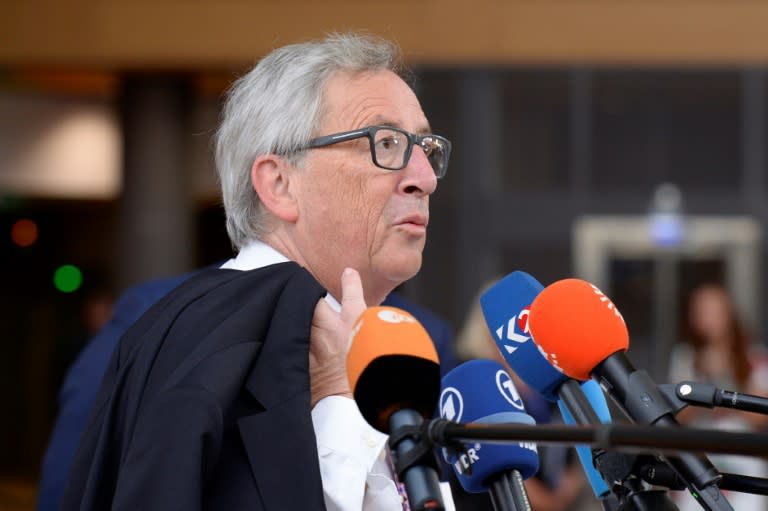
{"x": 583, "y": 334}
{"x": 394, "y": 374}
{"x": 706, "y": 394}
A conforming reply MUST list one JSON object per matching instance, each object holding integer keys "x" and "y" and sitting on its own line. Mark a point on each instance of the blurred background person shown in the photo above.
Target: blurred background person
{"x": 96, "y": 310}
{"x": 717, "y": 349}
{"x": 80, "y": 385}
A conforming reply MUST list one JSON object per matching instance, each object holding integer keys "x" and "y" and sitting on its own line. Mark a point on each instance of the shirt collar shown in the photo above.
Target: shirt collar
{"x": 255, "y": 254}
{"x": 258, "y": 254}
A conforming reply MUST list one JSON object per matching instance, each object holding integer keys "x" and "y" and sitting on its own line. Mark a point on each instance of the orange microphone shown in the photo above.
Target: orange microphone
{"x": 394, "y": 374}
{"x": 392, "y": 364}
{"x": 576, "y": 327}
{"x": 582, "y": 334}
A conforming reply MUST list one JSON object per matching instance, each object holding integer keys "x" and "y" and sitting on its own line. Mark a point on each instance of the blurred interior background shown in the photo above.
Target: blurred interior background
{"x": 619, "y": 141}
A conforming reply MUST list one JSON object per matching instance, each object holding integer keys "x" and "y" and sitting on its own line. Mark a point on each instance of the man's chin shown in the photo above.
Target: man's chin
{"x": 400, "y": 270}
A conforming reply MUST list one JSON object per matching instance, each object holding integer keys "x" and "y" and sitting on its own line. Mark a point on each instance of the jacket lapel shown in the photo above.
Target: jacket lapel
{"x": 280, "y": 441}
{"x": 281, "y": 449}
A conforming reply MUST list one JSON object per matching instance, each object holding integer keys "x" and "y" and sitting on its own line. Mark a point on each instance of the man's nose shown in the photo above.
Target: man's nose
{"x": 419, "y": 176}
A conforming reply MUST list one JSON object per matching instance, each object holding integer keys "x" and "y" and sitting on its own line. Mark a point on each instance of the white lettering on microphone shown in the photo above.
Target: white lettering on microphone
{"x": 465, "y": 460}
{"x": 508, "y": 390}
{"x": 607, "y": 301}
{"x": 451, "y": 404}
{"x": 391, "y": 316}
{"x": 517, "y": 322}
{"x": 551, "y": 358}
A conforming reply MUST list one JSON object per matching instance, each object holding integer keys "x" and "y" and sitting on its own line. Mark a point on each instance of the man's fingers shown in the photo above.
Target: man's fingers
{"x": 352, "y": 298}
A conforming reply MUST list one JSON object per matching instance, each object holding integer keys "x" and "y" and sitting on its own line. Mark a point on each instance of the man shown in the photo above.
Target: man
{"x": 231, "y": 391}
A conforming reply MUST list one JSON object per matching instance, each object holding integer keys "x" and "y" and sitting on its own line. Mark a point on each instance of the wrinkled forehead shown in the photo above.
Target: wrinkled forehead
{"x": 354, "y": 100}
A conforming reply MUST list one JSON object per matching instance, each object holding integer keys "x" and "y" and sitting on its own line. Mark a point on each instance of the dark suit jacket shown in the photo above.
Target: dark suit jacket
{"x": 206, "y": 402}
{"x": 78, "y": 392}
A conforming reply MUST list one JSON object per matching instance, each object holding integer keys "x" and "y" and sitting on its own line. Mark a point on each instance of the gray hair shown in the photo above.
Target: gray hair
{"x": 275, "y": 109}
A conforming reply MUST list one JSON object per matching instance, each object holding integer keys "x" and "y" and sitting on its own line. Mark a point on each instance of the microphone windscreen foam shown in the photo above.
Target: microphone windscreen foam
{"x": 505, "y": 306}
{"x": 481, "y": 391}
{"x": 576, "y": 326}
{"x": 392, "y": 364}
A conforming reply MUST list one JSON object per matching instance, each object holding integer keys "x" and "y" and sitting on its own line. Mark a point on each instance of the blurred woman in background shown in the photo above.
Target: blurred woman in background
{"x": 718, "y": 350}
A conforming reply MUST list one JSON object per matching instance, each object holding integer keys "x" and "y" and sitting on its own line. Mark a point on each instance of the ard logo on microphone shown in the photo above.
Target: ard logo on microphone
{"x": 515, "y": 333}
{"x": 508, "y": 390}
{"x": 451, "y": 404}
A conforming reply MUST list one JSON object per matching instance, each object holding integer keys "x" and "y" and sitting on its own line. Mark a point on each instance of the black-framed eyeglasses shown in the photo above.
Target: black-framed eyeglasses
{"x": 391, "y": 147}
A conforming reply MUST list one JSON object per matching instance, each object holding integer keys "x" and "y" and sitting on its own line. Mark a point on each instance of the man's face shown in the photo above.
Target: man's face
{"x": 353, "y": 212}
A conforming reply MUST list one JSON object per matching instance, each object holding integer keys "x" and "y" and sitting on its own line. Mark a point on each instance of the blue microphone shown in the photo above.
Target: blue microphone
{"x": 596, "y": 399}
{"x": 481, "y": 391}
{"x": 506, "y": 307}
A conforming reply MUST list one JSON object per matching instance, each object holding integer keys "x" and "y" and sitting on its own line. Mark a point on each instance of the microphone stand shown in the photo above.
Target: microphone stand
{"x": 409, "y": 438}
{"x": 639, "y": 498}
{"x": 638, "y": 396}
{"x": 707, "y": 395}
{"x": 627, "y": 493}
{"x": 630, "y": 438}
{"x": 658, "y": 473}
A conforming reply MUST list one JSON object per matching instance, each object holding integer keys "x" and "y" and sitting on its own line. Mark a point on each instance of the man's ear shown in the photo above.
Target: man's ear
{"x": 271, "y": 178}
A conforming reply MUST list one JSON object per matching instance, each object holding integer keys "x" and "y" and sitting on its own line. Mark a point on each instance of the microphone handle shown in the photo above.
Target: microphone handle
{"x": 708, "y": 395}
{"x": 738, "y": 401}
{"x": 422, "y": 484}
{"x": 576, "y": 403}
{"x": 573, "y": 398}
{"x": 508, "y": 493}
{"x": 745, "y": 484}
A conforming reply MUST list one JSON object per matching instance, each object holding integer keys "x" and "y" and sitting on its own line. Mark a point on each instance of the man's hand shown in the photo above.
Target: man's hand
{"x": 329, "y": 340}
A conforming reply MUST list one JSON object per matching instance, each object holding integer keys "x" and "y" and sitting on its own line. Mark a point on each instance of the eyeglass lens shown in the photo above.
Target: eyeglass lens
{"x": 437, "y": 154}
{"x": 391, "y": 148}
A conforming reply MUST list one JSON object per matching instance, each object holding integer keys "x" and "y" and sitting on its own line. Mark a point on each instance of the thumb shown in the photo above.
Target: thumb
{"x": 352, "y": 297}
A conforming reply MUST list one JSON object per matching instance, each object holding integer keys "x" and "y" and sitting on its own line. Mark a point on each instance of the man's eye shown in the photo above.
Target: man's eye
{"x": 388, "y": 143}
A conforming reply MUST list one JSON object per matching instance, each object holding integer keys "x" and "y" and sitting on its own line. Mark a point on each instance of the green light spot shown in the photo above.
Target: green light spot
{"x": 67, "y": 278}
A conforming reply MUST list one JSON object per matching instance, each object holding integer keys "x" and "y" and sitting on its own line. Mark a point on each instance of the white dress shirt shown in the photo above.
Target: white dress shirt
{"x": 354, "y": 468}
